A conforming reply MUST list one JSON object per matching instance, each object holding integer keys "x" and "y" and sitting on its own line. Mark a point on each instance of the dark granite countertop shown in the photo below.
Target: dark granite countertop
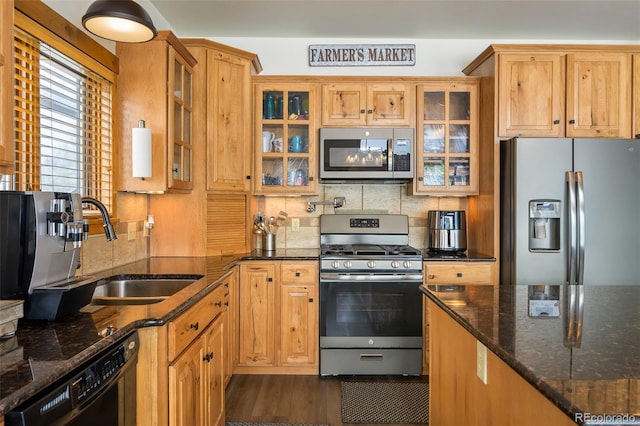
{"x": 467, "y": 256}
{"x": 594, "y": 371}
{"x": 41, "y": 352}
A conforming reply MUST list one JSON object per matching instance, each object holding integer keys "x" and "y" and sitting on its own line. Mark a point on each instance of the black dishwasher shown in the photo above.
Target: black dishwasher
{"x": 102, "y": 391}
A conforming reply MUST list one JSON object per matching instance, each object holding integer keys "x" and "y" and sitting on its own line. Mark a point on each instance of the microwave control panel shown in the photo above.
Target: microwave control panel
{"x": 401, "y": 155}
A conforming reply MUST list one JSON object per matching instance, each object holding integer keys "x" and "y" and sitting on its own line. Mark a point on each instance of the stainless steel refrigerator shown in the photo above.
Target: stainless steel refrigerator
{"x": 570, "y": 211}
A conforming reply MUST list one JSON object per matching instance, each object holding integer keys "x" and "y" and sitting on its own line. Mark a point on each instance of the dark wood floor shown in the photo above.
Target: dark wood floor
{"x": 285, "y": 399}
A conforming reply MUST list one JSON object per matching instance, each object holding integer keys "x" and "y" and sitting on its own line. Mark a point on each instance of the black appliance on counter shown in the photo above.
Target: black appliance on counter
{"x": 101, "y": 391}
{"x": 41, "y": 234}
{"x": 370, "y": 302}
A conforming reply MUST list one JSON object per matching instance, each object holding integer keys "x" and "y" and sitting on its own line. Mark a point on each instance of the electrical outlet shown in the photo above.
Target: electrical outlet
{"x": 131, "y": 231}
{"x": 295, "y": 225}
{"x": 481, "y": 362}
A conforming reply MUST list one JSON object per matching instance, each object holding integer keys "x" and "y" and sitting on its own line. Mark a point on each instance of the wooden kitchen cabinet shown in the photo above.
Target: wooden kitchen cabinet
{"x": 452, "y": 273}
{"x": 447, "y": 140}
{"x": 368, "y": 104}
{"x": 6, "y": 87}
{"x": 182, "y": 365}
{"x": 531, "y": 92}
{"x": 224, "y": 124}
{"x": 286, "y": 160}
{"x": 564, "y": 93}
{"x": 298, "y": 313}
{"x": 599, "y": 95}
{"x": 155, "y": 85}
{"x": 636, "y": 96}
{"x": 463, "y": 273}
{"x": 278, "y": 318}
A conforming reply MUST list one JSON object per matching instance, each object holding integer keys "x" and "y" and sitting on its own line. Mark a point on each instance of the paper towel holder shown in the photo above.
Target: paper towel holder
{"x": 141, "y": 164}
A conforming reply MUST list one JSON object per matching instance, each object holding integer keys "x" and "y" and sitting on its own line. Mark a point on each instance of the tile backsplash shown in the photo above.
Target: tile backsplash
{"x": 387, "y": 198}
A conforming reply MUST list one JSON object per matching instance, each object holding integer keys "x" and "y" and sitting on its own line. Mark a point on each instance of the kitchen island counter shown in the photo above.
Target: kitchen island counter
{"x": 584, "y": 361}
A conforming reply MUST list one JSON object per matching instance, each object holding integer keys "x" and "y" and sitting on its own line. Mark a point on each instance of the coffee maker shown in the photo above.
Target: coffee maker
{"x": 41, "y": 234}
{"x": 447, "y": 231}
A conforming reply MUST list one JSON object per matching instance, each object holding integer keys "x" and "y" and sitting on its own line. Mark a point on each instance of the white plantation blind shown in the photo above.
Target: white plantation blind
{"x": 63, "y": 119}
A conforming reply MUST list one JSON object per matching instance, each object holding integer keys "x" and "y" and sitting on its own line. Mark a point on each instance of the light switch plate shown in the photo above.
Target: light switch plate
{"x": 481, "y": 362}
{"x": 131, "y": 231}
{"x": 295, "y": 225}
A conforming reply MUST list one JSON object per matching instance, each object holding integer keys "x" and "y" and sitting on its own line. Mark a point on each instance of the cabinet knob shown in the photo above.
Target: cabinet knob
{"x": 194, "y": 326}
{"x": 248, "y": 177}
{"x": 311, "y": 300}
{"x": 431, "y": 277}
{"x": 218, "y": 304}
{"x": 226, "y": 303}
{"x": 311, "y": 177}
{"x": 269, "y": 279}
{"x": 362, "y": 111}
{"x": 420, "y": 178}
{"x": 297, "y": 274}
{"x": 175, "y": 170}
{"x": 208, "y": 357}
{"x": 370, "y": 111}
{"x": 556, "y": 121}
{"x": 459, "y": 275}
{"x": 572, "y": 121}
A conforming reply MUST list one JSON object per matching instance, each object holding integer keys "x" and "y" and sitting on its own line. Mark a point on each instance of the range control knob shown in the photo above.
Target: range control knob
{"x": 348, "y": 264}
{"x": 395, "y": 264}
{"x": 371, "y": 264}
{"x": 406, "y": 264}
{"x": 335, "y": 264}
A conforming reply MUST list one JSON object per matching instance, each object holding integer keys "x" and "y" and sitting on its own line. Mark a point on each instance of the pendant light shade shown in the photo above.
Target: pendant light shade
{"x": 119, "y": 20}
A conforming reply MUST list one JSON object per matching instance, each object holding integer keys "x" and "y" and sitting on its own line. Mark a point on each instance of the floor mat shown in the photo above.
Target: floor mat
{"x": 385, "y": 402}
{"x": 272, "y": 424}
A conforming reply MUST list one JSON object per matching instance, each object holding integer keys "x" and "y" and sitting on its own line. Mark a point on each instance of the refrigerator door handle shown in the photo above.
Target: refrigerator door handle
{"x": 581, "y": 228}
{"x": 571, "y": 229}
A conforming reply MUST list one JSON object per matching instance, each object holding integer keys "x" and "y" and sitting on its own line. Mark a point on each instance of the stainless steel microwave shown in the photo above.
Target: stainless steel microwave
{"x": 367, "y": 153}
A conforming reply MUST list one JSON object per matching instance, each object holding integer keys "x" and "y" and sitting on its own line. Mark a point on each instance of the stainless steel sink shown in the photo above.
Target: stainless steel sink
{"x": 140, "y": 289}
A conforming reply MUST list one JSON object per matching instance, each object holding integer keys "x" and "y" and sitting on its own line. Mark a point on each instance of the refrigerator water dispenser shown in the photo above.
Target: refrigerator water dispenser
{"x": 544, "y": 225}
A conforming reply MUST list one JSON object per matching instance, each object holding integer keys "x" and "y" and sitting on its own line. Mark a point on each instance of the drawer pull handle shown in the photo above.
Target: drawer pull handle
{"x": 195, "y": 326}
{"x": 431, "y": 277}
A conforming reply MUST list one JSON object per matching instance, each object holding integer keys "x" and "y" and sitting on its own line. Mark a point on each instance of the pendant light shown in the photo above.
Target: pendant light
{"x": 119, "y": 20}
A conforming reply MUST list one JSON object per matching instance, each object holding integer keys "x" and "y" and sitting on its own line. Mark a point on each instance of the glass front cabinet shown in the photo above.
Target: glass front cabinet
{"x": 286, "y": 139}
{"x": 447, "y": 139}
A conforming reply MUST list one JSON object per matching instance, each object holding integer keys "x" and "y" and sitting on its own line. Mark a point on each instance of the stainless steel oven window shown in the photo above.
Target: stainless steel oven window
{"x": 382, "y": 309}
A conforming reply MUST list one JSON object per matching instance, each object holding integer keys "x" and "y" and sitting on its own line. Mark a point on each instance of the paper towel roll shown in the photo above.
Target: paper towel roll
{"x": 141, "y": 152}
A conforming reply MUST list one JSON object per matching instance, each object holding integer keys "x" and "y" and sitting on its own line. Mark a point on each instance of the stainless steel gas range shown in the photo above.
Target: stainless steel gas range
{"x": 370, "y": 303}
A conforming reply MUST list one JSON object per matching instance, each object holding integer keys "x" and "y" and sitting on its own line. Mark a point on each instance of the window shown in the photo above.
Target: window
{"x": 62, "y": 116}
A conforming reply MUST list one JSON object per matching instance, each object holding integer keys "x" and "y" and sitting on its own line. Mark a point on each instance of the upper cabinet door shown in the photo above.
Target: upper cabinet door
{"x": 636, "y": 96}
{"x": 390, "y": 104}
{"x": 228, "y": 127}
{"x": 531, "y": 95}
{"x": 599, "y": 95}
{"x": 344, "y": 104}
{"x": 373, "y": 104}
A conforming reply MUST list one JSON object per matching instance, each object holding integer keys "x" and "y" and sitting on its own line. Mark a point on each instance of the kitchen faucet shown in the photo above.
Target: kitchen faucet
{"x": 108, "y": 227}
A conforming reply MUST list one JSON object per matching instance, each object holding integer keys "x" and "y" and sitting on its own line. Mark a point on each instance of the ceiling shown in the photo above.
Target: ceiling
{"x": 405, "y": 19}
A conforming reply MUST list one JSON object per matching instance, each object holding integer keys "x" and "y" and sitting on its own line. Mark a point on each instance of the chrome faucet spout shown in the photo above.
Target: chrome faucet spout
{"x": 109, "y": 232}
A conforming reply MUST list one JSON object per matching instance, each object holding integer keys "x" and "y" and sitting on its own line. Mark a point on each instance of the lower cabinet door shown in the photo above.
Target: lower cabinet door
{"x": 214, "y": 373}
{"x": 185, "y": 387}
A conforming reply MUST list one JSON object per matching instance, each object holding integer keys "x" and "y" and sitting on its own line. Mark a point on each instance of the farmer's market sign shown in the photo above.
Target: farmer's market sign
{"x": 324, "y": 55}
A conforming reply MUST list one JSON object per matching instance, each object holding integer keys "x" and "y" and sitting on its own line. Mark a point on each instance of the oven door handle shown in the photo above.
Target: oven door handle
{"x": 371, "y": 277}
